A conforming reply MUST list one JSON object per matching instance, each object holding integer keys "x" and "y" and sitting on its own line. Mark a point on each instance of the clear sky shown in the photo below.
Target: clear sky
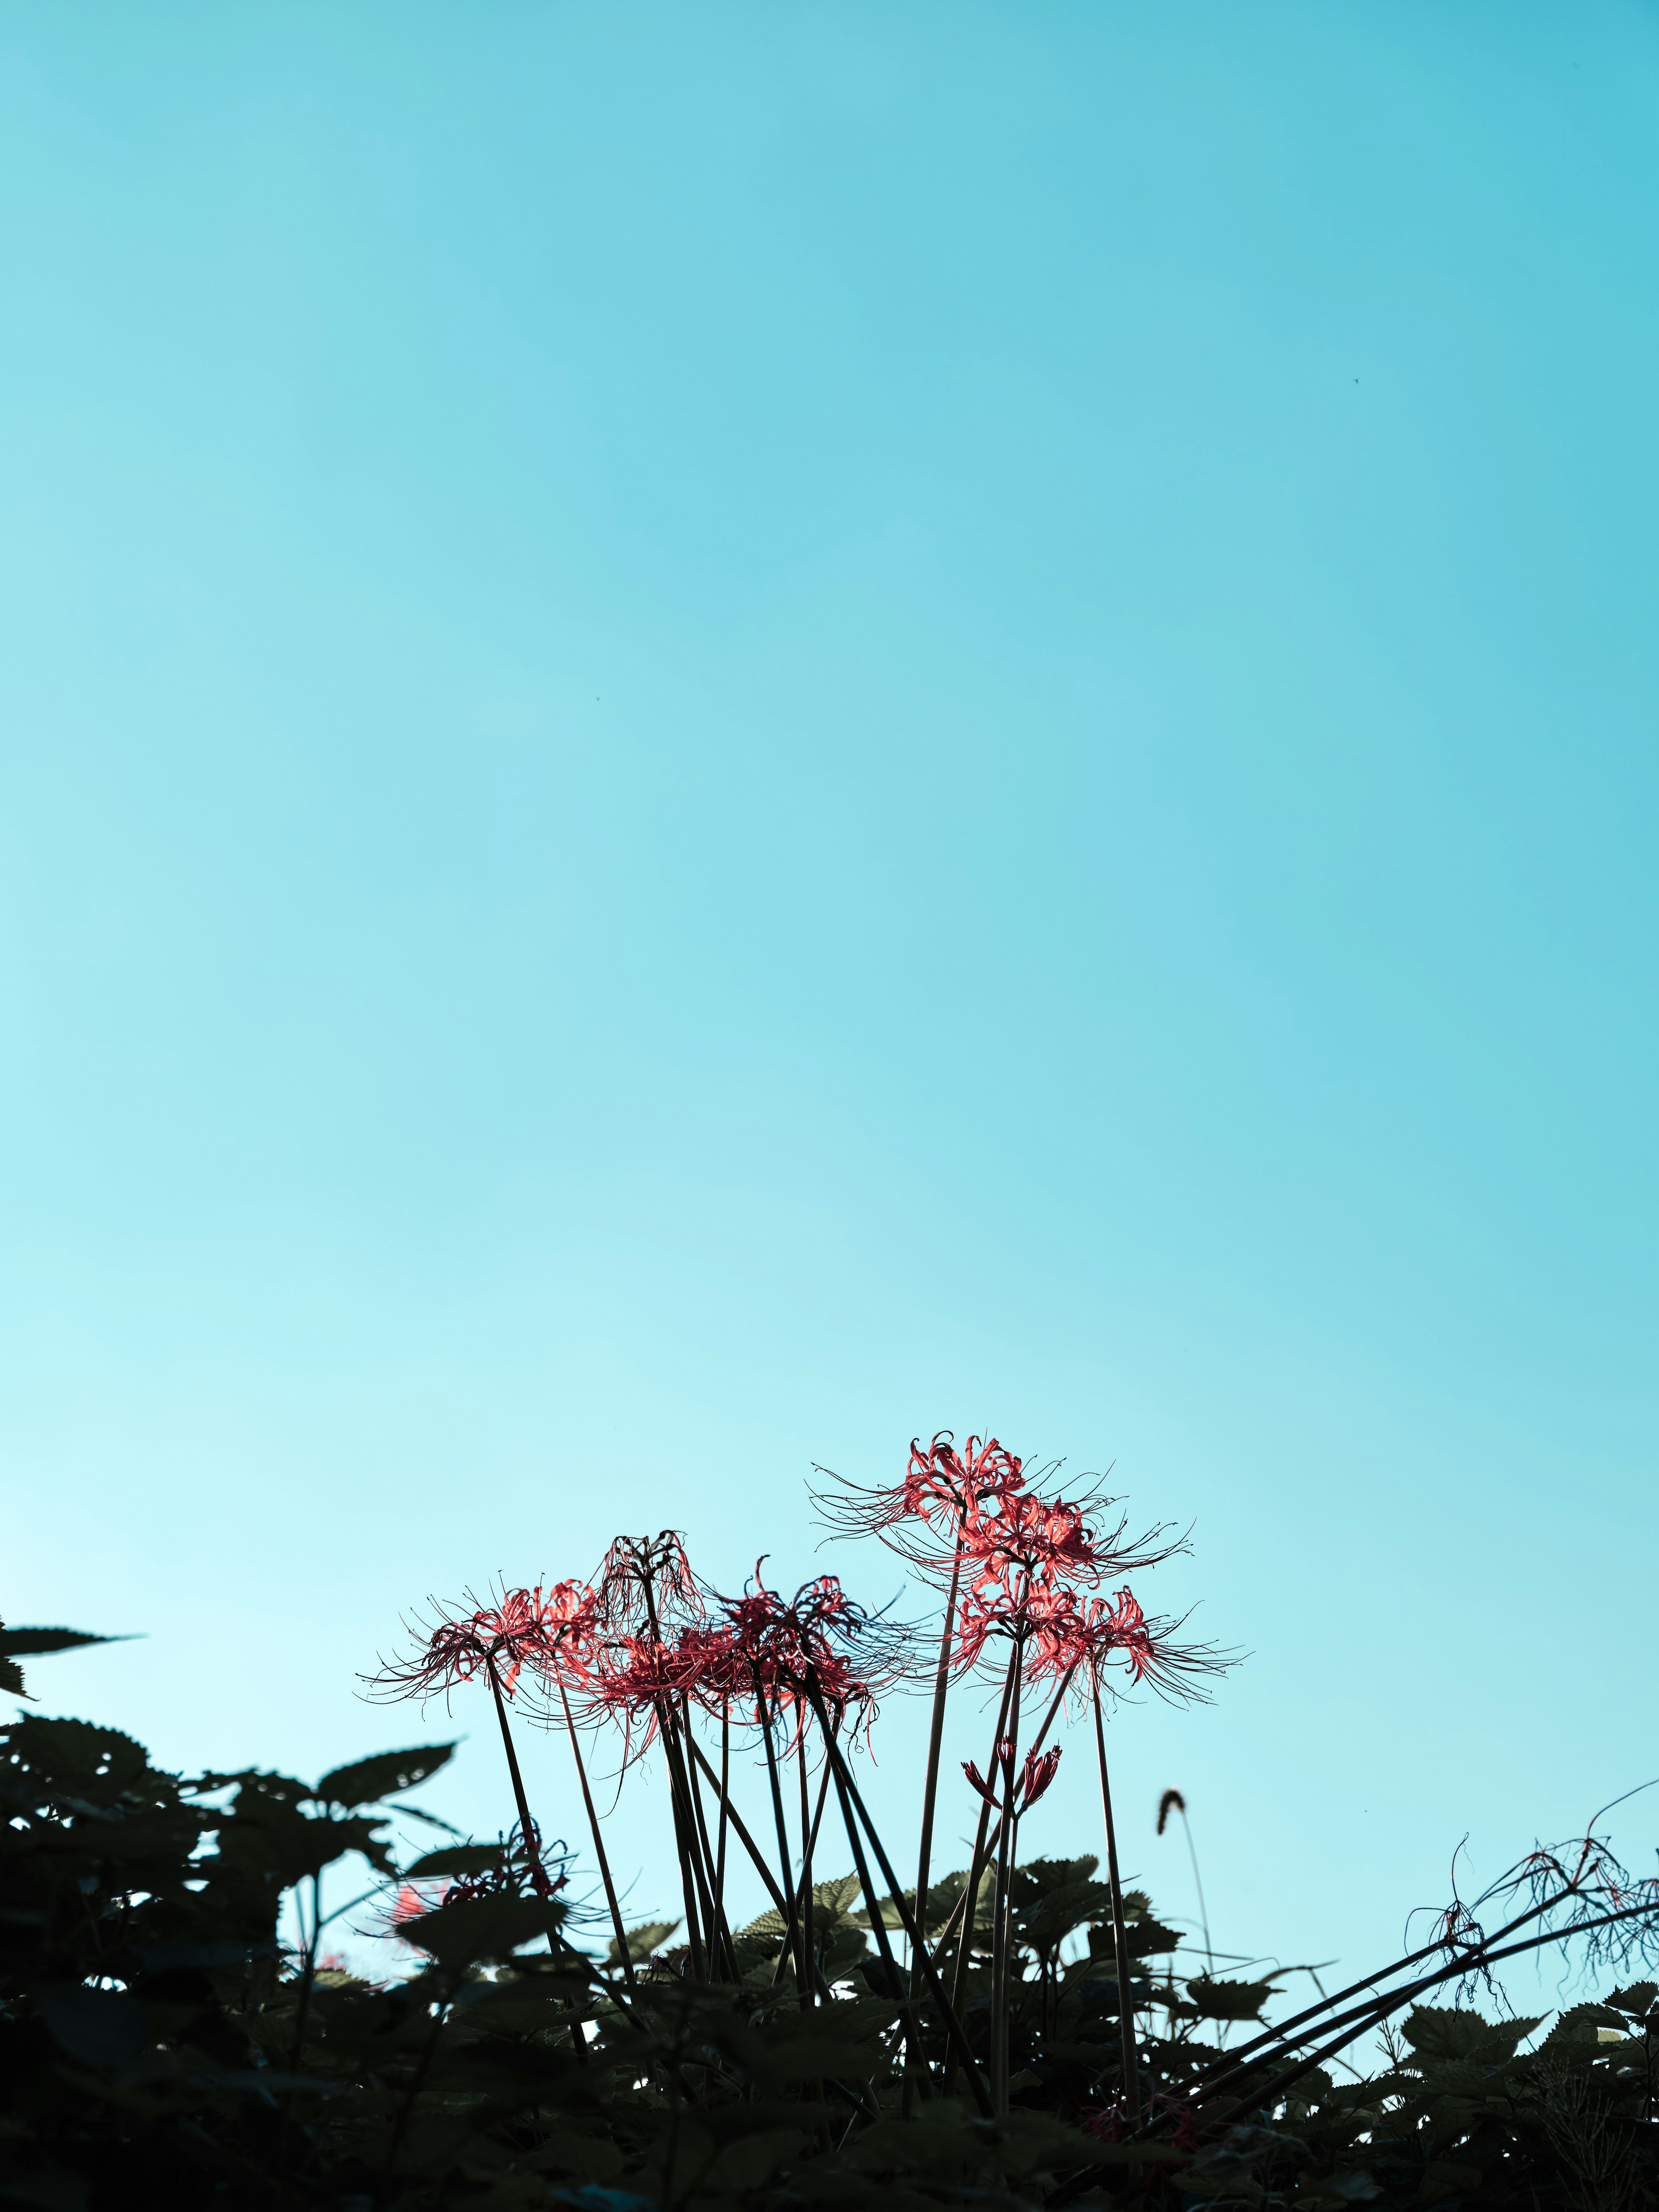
{"x": 732, "y": 730}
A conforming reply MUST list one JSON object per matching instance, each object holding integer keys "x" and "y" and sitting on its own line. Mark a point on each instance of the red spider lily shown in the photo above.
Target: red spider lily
{"x": 783, "y": 1652}
{"x": 528, "y": 1627}
{"x": 570, "y": 1620}
{"x": 1020, "y": 1796}
{"x": 635, "y": 1678}
{"x": 1067, "y": 1642}
{"x": 646, "y": 1586}
{"x": 1027, "y": 1540}
{"x": 921, "y": 1518}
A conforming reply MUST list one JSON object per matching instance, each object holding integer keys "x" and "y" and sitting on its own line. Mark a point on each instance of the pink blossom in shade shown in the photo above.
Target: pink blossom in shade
{"x": 820, "y": 1645}
{"x": 414, "y": 1901}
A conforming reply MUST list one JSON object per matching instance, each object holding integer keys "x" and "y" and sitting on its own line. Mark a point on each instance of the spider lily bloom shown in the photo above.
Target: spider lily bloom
{"x": 570, "y": 1623}
{"x": 1070, "y": 1644}
{"x": 820, "y": 1641}
{"x": 498, "y": 1641}
{"x": 646, "y": 1586}
{"x": 637, "y": 1679}
{"x": 921, "y": 1518}
{"x": 1028, "y": 1540}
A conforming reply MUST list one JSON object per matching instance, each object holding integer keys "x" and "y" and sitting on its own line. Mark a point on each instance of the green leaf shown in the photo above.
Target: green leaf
{"x": 460, "y": 1859}
{"x": 1222, "y": 2000}
{"x": 644, "y": 1939}
{"x": 29, "y": 1642}
{"x": 96, "y": 1764}
{"x": 1443, "y": 2032}
{"x": 367, "y": 1781}
{"x": 481, "y": 1928}
{"x": 1579, "y": 2024}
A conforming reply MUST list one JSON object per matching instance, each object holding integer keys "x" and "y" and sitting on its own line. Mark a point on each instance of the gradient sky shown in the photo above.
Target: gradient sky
{"x": 732, "y": 730}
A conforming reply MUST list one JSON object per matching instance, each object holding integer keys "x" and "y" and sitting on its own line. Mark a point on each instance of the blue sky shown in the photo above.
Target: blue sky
{"x": 728, "y": 732}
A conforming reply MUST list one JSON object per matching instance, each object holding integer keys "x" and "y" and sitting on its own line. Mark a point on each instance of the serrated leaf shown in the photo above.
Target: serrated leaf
{"x": 642, "y": 1940}
{"x": 367, "y": 1781}
{"x": 1578, "y": 2025}
{"x": 834, "y": 1900}
{"x": 481, "y": 1928}
{"x": 1224, "y": 2000}
{"x": 457, "y": 1859}
{"x": 29, "y": 1642}
{"x": 98, "y": 1763}
{"x": 1444, "y": 2032}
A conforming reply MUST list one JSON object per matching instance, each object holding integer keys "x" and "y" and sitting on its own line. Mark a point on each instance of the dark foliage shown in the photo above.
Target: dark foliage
{"x": 160, "y": 2046}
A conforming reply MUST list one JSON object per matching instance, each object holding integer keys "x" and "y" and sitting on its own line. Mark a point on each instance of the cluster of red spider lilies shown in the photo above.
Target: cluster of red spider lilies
{"x": 648, "y": 1648}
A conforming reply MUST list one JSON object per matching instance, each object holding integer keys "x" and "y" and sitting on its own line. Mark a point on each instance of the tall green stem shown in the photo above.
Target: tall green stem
{"x": 999, "y": 1921}
{"x": 598, "y": 1843}
{"x": 763, "y": 1721}
{"x": 930, "y": 1788}
{"x": 1125, "y": 2011}
{"x": 847, "y": 1789}
{"x": 808, "y": 1993}
{"x": 527, "y": 1826}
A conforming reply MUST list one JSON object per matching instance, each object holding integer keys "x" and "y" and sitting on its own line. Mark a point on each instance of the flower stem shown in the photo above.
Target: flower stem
{"x": 808, "y": 1994}
{"x": 763, "y": 1721}
{"x": 847, "y": 1788}
{"x": 1001, "y": 1926}
{"x": 527, "y": 1826}
{"x": 1126, "y": 2014}
{"x": 930, "y": 1787}
{"x": 598, "y": 1843}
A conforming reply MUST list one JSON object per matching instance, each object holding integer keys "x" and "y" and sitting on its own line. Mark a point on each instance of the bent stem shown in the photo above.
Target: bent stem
{"x": 1125, "y": 2017}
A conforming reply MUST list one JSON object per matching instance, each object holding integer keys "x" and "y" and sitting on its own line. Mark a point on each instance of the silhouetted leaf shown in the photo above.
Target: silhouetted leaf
{"x": 26, "y": 1642}
{"x": 1223, "y": 2000}
{"x": 459, "y": 1859}
{"x": 482, "y": 1929}
{"x": 367, "y": 1781}
{"x": 642, "y": 1940}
